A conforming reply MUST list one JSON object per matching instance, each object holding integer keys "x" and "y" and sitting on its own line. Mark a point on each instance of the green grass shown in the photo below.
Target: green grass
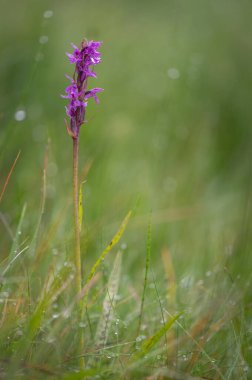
{"x": 172, "y": 297}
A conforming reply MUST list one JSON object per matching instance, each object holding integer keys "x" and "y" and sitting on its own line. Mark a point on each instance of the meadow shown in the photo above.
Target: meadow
{"x": 166, "y": 169}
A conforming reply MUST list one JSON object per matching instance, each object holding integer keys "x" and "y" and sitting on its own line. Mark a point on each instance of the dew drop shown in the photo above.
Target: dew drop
{"x": 66, "y": 314}
{"x": 19, "y": 332}
{"x": 186, "y": 282}
{"x": 140, "y": 338}
{"x": 123, "y": 246}
{"x": 117, "y": 297}
{"x": 43, "y": 40}
{"x": 20, "y": 115}
{"x": 48, "y": 13}
{"x": 50, "y": 339}
{"x": 55, "y": 252}
{"x": 173, "y": 73}
{"x": 39, "y": 57}
{"x": 5, "y": 294}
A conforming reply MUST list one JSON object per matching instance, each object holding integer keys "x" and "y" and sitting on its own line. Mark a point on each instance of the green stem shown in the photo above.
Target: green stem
{"x": 77, "y": 252}
{"x": 77, "y": 255}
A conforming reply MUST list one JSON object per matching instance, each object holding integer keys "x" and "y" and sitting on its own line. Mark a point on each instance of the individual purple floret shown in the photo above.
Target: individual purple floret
{"x": 84, "y": 58}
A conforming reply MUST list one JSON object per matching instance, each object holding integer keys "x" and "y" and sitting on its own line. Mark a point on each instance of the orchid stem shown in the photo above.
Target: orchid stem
{"x": 77, "y": 252}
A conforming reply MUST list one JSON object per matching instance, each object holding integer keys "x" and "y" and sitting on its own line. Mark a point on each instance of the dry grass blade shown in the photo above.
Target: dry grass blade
{"x": 8, "y": 176}
{"x": 170, "y": 277}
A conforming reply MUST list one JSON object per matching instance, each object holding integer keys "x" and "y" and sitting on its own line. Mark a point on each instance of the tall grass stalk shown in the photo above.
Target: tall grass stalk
{"x": 77, "y": 250}
{"x": 147, "y": 265}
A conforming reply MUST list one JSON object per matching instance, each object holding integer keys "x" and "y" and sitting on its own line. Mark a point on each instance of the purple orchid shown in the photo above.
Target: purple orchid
{"x": 84, "y": 57}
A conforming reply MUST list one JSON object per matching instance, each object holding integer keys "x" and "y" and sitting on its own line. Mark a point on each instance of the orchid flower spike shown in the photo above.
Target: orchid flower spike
{"x": 84, "y": 58}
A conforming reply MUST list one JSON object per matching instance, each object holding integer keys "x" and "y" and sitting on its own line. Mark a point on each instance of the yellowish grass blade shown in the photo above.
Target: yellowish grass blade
{"x": 113, "y": 242}
{"x": 170, "y": 277}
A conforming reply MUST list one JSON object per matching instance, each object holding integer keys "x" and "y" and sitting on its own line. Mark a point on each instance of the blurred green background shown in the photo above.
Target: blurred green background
{"x": 171, "y": 136}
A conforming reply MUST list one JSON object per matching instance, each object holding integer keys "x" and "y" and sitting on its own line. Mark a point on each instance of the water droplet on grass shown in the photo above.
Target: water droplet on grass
{"x": 66, "y": 314}
{"x": 123, "y": 246}
{"x": 39, "y": 57}
{"x": 118, "y": 297}
{"x": 140, "y": 338}
{"x": 19, "y": 332}
{"x": 173, "y": 73}
{"x": 48, "y": 13}
{"x": 55, "y": 252}
{"x": 186, "y": 281}
{"x": 4, "y": 294}
{"x": 20, "y": 115}
{"x": 50, "y": 339}
{"x": 43, "y": 40}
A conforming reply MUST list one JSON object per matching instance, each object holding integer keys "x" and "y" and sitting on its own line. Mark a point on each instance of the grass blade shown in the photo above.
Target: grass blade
{"x": 109, "y": 303}
{"x": 113, "y": 242}
{"x": 153, "y": 340}
{"x": 15, "y": 244}
{"x": 8, "y": 176}
{"x": 147, "y": 265}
